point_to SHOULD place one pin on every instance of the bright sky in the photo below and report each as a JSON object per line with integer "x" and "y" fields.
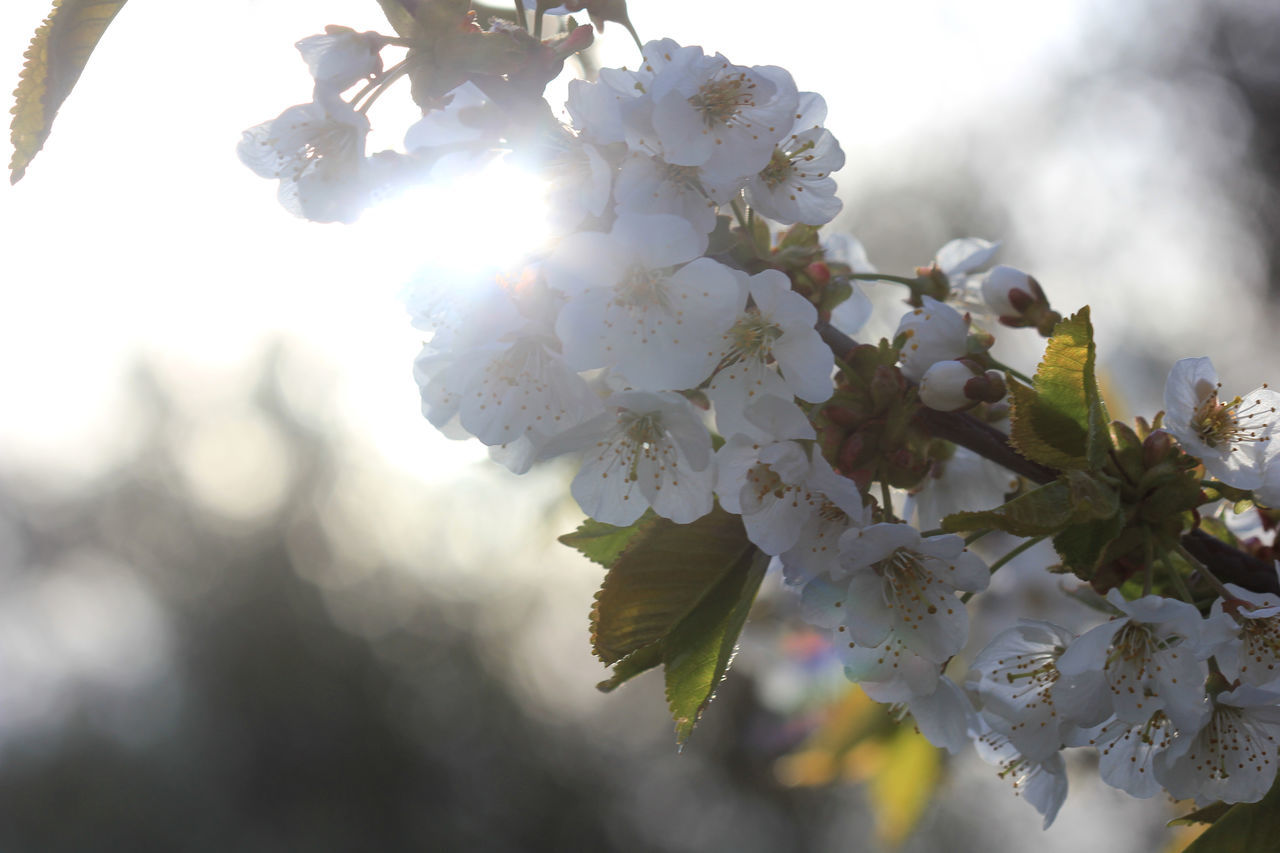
{"x": 136, "y": 230}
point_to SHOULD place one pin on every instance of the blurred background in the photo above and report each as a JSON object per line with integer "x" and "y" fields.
{"x": 250, "y": 600}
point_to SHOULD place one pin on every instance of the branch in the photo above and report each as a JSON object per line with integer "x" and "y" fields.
{"x": 1228, "y": 564}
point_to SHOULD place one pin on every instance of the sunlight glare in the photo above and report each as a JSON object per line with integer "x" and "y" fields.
{"x": 483, "y": 220}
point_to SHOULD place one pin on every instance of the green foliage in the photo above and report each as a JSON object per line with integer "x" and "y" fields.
{"x": 697, "y": 652}
{"x": 58, "y": 52}
{"x": 604, "y": 543}
{"x": 1208, "y": 814}
{"x": 1038, "y": 512}
{"x": 1077, "y": 498}
{"x": 1082, "y": 546}
{"x": 1062, "y": 421}
{"x": 1244, "y": 828}
{"x": 676, "y": 595}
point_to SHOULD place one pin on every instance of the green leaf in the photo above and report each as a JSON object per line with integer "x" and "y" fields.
{"x": 1039, "y": 512}
{"x": 1062, "y": 422}
{"x": 1208, "y": 814}
{"x": 662, "y": 575}
{"x": 604, "y": 543}
{"x": 697, "y": 653}
{"x": 639, "y": 661}
{"x": 1082, "y": 545}
{"x": 1245, "y": 828}
{"x": 58, "y": 52}
{"x": 1090, "y": 497}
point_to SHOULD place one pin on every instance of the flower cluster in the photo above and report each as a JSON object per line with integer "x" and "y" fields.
{"x": 670, "y": 339}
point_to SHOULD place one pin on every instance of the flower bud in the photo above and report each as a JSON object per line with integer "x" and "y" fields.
{"x": 943, "y": 386}
{"x": 819, "y": 273}
{"x": 987, "y": 388}
{"x": 1005, "y": 289}
{"x": 1156, "y": 447}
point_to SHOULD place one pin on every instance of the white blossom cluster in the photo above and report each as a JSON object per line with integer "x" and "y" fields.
{"x": 678, "y": 381}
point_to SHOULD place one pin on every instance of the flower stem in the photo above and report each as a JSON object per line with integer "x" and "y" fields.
{"x": 1000, "y": 563}
{"x": 1204, "y": 571}
{"x": 1148, "y": 571}
{"x": 375, "y": 89}
{"x": 1178, "y": 582}
{"x": 1017, "y": 374}
{"x": 886, "y": 501}
{"x": 739, "y": 215}
{"x": 876, "y": 276}
{"x": 974, "y": 537}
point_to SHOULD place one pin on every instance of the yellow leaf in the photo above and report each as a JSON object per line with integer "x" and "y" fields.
{"x": 58, "y": 53}
{"x": 905, "y": 784}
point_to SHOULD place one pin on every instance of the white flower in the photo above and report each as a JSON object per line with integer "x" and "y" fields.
{"x": 316, "y": 150}
{"x": 942, "y": 386}
{"x": 965, "y": 481}
{"x": 903, "y": 582}
{"x": 964, "y": 256}
{"x": 1233, "y": 756}
{"x": 1151, "y": 657}
{"x": 1229, "y": 436}
{"x": 649, "y": 184}
{"x": 1127, "y": 752}
{"x": 1252, "y": 653}
{"x": 1019, "y": 681}
{"x": 772, "y": 349}
{"x": 946, "y": 717}
{"x": 341, "y": 57}
{"x": 581, "y": 180}
{"x": 935, "y": 332}
{"x": 796, "y": 184}
{"x": 507, "y": 389}
{"x": 817, "y": 549}
{"x": 647, "y": 450}
{"x": 707, "y": 111}
{"x": 770, "y": 478}
{"x": 891, "y": 672}
{"x": 636, "y": 306}
{"x": 1042, "y": 783}
{"x": 888, "y": 672}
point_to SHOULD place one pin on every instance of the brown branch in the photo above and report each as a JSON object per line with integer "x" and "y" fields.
{"x": 1228, "y": 564}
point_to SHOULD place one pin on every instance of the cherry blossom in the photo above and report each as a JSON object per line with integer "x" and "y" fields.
{"x": 1229, "y": 436}
{"x": 775, "y": 478}
{"x": 642, "y": 301}
{"x": 708, "y": 111}
{"x": 796, "y": 184}
{"x": 316, "y": 151}
{"x": 1127, "y": 752}
{"x": 1232, "y": 755}
{"x": 771, "y": 349}
{"x": 1019, "y": 681}
{"x": 646, "y": 450}
{"x": 964, "y": 480}
{"x": 1152, "y": 657}
{"x": 901, "y": 581}
{"x": 341, "y": 57}
{"x": 935, "y": 332}
{"x": 1042, "y": 783}
{"x": 1251, "y": 653}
